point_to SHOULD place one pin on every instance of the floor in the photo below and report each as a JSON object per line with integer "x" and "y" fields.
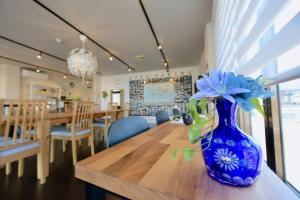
{"x": 61, "y": 183}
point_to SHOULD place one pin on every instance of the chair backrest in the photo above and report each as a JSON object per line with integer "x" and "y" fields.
{"x": 162, "y": 117}
{"x": 175, "y": 112}
{"x": 82, "y": 116}
{"x": 126, "y": 128}
{"x": 112, "y": 106}
{"x": 111, "y": 114}
{"x": 21, "y": 118}
{"x": 68, "y": 106}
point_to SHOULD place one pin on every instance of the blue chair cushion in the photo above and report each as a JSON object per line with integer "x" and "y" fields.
{"x": 67, "y": 132}
{"x": 99, "y": 124}
{"x": 162, "y": 117}
{"x": 126, "y": 128}
{"x": 18, "y": 149}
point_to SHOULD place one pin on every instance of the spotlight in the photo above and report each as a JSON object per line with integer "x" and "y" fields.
{"x": 39, "y": 56}
{"x": 111, "y": 58}
{"x": 159, "y": 47}
{"x": 129, "y": 69}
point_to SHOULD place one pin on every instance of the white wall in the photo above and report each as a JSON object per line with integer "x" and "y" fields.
{"x": 209, "y": 46}
{"x": 9, "y": 81}
{"x": 203, "y": 66}
{"x": 2, "y": 82}
{"x": 117, "y": 82}
{"x": 80, "y": 90}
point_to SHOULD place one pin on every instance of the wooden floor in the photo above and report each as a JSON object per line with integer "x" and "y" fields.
{"x": 61, "y": 183}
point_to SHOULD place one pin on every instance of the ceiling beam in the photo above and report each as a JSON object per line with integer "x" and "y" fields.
{"x": 40, "y": 67}
{"x": 81, "y": 32}
{"x": 32, "y": 48}
{"x": 154, "y": 34}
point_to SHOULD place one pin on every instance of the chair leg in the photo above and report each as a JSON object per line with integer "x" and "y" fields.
{"x": 89, "y": 142}
{"x": 7, "y": 168}
{"x": 40, "y": 168}
{"x": 64, "y": 145}
{"x": 91, "y": 139}
{"x": 52, "y": 150}
{"x": 20, "y": 167}
{"x": 74, "y": 151}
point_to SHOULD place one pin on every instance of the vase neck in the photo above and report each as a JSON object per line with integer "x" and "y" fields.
{"x": 227, "y": 112}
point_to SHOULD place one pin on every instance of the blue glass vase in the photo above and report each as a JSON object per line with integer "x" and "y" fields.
{"x": 232, "y": 157}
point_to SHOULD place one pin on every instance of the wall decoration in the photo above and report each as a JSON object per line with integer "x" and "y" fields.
{"x": 159, "y": 92}
{"x": 142, "y": 104}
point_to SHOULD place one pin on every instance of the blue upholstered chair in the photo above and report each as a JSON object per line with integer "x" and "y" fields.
{"x": 175, "y": 112}
{"x": 81, "y": 127}
{"x": 126, "y": 128}
{"x": 162, "y": 117}
{"x": 19, "y": 121}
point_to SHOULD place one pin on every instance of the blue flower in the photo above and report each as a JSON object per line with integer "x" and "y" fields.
{"x": 254, "y": 85}
{"x": 215, "y": 85}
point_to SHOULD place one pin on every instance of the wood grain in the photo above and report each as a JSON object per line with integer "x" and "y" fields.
{"x": 142, "y": 168}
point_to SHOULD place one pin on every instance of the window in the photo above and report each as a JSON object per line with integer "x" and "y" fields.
{"x": 289, "y": 93}
{"x": 116, "y": 97}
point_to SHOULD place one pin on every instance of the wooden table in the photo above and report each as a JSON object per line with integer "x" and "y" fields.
{"x": 66, "y": 117}
{"x": 142, "y": 168}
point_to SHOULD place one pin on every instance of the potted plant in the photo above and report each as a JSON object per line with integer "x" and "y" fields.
{"x": 104, "y": 94}
{"x": 231, "y": 156}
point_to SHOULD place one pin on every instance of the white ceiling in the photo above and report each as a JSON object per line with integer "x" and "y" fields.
{"x": 120, "y": 26}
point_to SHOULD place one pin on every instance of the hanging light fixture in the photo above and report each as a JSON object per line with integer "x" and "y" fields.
{"x": 81, "y": 62}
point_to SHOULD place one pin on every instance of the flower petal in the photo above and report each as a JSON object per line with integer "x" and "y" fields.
{"x": 228, "y": 97}
{"x": 208, "y": 81}
{"x": 197, "y": 96}
{"x": 212, "y": 94}
{"x": 237, "y": 91}
{"x": 214, "y": 79}
{"x": 202, "y": 84}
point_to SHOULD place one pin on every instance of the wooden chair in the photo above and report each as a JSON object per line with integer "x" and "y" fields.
{"x": 19, "y": 118}
{"x": 81, "y": 127}
{"x": 103, "y": 125}
{"x": 112, "y": 106}
{"x": 68, "y": 106}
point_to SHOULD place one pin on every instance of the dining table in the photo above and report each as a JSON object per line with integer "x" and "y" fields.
{"x": 66, "y": 117}
{"x": 143, "y": 167}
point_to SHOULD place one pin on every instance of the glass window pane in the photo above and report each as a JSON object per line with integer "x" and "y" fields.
{"x": 290, "y": 119}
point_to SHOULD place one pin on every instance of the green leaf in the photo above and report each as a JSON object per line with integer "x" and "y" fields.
{"x": 258, "y": 106}
{"x": 192, "y": 108}
{"x": 203, "y": 104}
{"x": 194, "y": 133}
{"x": 174, "y": 153}
{"x": 188, "y": 153}
{"x": 195, "y": 129}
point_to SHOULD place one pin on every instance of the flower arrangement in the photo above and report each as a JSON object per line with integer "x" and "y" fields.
{"x": 244, "y": 91}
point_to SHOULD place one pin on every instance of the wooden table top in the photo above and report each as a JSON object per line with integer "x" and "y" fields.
{"x": 143, "y": 168}
{"x": 66, "y": 117}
